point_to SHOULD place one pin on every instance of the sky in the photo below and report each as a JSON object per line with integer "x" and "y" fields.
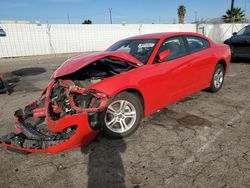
{"x": 126, "y": 11}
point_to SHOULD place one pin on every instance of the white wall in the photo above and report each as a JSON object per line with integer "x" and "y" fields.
{"x": 220, "y": 32}
{"x": 31, "y": 39}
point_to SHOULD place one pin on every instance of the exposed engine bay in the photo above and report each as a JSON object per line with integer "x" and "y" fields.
{"x": 98, "y": 71}
{"x": 67, "y": 113}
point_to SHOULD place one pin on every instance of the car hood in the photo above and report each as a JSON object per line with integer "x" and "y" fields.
{"x": 75, "y": 63}
{"x": 236, "y": 38}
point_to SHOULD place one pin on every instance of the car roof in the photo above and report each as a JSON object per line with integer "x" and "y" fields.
{"x": 163, "y": 35}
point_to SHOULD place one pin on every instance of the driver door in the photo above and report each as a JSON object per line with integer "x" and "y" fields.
{"x": 174, "y": 75}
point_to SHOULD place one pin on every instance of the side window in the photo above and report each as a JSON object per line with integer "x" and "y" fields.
{"x": 196, "y": 43}
{"x": 176, "y": 46}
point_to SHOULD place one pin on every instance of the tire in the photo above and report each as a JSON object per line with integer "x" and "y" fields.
{"x": 217, "y": 79}
{"x": 122, "y": 116}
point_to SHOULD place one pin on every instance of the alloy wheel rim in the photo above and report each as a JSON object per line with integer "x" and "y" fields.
{"x": 120, "y": 116}
{"x": 218, "y": 78}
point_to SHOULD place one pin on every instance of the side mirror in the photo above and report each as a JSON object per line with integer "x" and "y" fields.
{"x": 234, "y": 33}
{"x": 163, "y": 55}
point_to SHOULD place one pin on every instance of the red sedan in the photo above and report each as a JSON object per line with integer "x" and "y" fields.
{"x": 112, "y": 91}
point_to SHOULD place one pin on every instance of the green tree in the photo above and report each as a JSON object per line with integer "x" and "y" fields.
{"x": 237, "y": 15}
{"x": 181, "y": 13}
{"x": 87, "y": 22}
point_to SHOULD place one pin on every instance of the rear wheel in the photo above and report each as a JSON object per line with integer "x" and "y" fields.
{"x": 122, "y": 116}
{"x": 218, "y": 79}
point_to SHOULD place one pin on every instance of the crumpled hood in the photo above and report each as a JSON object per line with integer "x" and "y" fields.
{"x": 75, "y": 63}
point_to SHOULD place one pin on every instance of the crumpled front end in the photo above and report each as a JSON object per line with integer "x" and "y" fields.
{"x": 64, "y": 117}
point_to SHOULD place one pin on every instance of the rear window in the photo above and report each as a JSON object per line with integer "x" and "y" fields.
{"x": 197, "y": 43}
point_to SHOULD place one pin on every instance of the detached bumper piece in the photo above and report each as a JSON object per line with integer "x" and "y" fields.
{"x": 32, "y": 138}
{"x": 4, "y": 86}
{"x": 64, "y": 117}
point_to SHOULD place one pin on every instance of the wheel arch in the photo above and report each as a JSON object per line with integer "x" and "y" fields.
{"x": 138, "y": 93}
{"x": 223, "y": 63}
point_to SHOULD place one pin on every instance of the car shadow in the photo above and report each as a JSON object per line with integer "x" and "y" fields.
{"x": 105, "y": 166}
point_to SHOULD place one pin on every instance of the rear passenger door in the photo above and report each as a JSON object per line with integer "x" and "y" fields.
{"x": 201, "y": 61}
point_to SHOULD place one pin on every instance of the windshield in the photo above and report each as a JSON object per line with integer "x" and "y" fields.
{"x": 141, "y": 49}
{"x": 244, "y": 31}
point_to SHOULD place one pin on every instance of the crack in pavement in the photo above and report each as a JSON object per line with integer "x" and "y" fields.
{"x": 209, "y": 142}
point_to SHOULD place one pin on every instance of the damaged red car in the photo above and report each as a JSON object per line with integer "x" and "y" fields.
{"x": 112, "y": 91}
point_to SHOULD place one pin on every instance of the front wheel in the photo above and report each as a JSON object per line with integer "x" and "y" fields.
{"x": 218, "y": 79}
{"x": 122, "y": 116}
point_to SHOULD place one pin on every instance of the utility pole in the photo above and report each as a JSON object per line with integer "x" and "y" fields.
{"x": 245, "y": 6}
{"x": 232, "y": 6}
{"x": 110, "y": 15}
{"x": 196, "y": 22}
{"x": 174, "y": 22}
{"x": 68, "y": 19}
